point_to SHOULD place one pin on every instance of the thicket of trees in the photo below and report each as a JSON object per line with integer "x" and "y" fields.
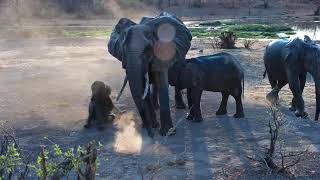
{"x": 84, "y": 7}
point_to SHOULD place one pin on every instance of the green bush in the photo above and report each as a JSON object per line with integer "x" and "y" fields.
{"x": 51, "y": 163}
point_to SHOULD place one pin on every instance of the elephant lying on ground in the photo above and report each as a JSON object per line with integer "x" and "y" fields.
{"x": 146, "y": 51}
{"x": 217, "y": 73}
{"x": 288, "y": 62}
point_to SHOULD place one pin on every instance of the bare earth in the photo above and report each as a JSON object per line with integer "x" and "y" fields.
{"x": 45, "y": 90}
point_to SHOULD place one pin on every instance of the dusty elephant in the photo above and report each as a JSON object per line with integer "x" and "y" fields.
{"x": 288, "y": 62}
{"x": 146, "y": 51}
{"x": 101, "y": 106}
{"x": 220, "y": 72}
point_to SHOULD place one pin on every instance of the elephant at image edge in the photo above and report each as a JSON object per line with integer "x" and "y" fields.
{"x": 138, "y": 47}
{"x": 288, "y": 62}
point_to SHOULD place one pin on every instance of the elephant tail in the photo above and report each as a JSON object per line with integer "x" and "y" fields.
{"x": 264, "y": 73}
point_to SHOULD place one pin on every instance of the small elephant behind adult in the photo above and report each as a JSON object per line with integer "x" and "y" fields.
{"x": 217, "y": 73}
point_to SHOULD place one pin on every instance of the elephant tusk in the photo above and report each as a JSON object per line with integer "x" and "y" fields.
{"x": 122, "y": 88}
{"x": 146, "y": 89}
{"x": 151, "y": 89}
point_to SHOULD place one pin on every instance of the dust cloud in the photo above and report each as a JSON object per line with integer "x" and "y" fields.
{"x": 131, "y": 138}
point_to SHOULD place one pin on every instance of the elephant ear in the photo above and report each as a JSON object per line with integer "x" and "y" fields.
{"x": 292, "y": 50}
{"x": 117, "y": 38}
{"x": 308, "y": 40}
{"x": 169, "y": 31}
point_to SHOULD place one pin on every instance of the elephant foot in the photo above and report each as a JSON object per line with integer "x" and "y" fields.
{"x": 239, "y": 115}
{"x": 221, "y": 112}
{"x": 301, "y": 114}
{"x": 189, "y": 117}
{"x": 273, "y": 97}
{"x": 167, "y": 131}
{"x": 197, "y": 119}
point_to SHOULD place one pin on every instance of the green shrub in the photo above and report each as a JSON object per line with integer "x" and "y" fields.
{"x": 52, "y": 162}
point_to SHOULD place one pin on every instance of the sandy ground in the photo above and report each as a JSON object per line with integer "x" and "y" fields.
{"x": 45, "y": 90}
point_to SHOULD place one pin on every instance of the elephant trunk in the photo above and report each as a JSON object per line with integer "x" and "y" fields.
{"x": 138, "y": 79}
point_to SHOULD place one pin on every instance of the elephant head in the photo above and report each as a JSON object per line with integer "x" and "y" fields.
{"x": 150, "y": 46}
{"x": 305, "y": 54}
{"x": 185, "y": 75}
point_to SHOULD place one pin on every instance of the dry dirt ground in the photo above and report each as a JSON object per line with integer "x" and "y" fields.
{"x": 45, "y": 91}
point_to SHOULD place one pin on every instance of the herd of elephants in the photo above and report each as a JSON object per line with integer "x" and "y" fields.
{"x": 153, "y": 54}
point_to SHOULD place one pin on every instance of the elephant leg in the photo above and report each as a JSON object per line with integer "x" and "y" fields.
{"x": 196, "y": 98}
{"x": 178, "y": 99}
{"x": 272, "y": 80}
{"x": 239, "y": 108}
{"x": 145, "y": 116}
{"x": 155, "y": 95}
{"x": 190, "y": 115}
{"x": 272, "y": 96}
{"x": 189, "y": 98}
{"x": 152, "y": 113}
{"x": 281, "y": 83}
{"x": 277, "y": 89}
{"x": 165, "y": 115}
{"x": 223, "y": 105}
{"x": 295, "y": 88}
{"x": 302, "y": 79}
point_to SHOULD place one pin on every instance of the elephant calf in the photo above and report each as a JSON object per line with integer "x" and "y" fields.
{"x": 101, "y": 106}
{"x": 217, "y": 73}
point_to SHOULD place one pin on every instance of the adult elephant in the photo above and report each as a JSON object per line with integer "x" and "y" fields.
{"x": 146, "y": 51}
{"x": 288, "y": 62}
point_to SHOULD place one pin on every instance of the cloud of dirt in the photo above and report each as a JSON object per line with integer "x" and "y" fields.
{"x": 16, "y": 10}
{"x": 131, "y": 138}
{"x": 51, "y": 18}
